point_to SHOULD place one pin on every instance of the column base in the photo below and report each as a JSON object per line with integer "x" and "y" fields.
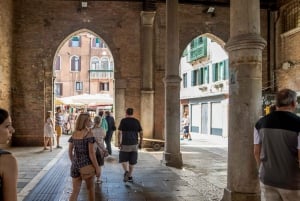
{"x": 173, "y": 160}
{"x": 237, "y": 196}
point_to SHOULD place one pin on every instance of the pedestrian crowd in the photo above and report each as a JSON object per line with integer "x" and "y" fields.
{"x": 276, "y": 149}
{"x": 87, "y": 149}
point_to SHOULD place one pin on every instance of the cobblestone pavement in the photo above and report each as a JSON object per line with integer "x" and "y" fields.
{"x": 44, "y": 175}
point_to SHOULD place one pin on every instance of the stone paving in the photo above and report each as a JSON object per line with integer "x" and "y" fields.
{"x": 202, "y": 178}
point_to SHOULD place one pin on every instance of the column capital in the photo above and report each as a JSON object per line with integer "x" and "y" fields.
{"x": 147, "y": 18}
{"x": 245, "y": 41}
{"x": 172, "y": 79}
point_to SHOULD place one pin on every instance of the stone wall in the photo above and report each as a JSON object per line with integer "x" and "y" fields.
{"x": 6, "y": 21}
{"x": 42, "y": 26}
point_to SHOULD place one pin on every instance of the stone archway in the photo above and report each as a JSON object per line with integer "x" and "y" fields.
{"x": 94, "y": 76}
{"x": 204, "y": 88}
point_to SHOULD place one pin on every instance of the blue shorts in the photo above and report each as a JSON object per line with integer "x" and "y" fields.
{"x": 186, "y": 130}
{"x": 130, "y": 157}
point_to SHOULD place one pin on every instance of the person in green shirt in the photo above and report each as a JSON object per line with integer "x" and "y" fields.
{"x": 104, "y": 124}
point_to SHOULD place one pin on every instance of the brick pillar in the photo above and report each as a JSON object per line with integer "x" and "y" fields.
{"x": 245, "y": 83}
{"x": 172, "y": 154}
{"x": 147, "y": 93}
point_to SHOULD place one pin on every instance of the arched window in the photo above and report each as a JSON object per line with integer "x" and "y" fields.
{"x": 95, "y": 67}
{"x": 105, "y": 67}
{"x": 75, "y": 63}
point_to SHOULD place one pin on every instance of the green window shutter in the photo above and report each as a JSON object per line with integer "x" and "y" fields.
{"x": 198, "y": 49}
{"x": 214, "y": 72}
{"x": 75, "y": 38}
{"x": 206, "y": 75}
{"x": 192, "y": 79}
{"x": 200, "y": 76}
{"x": 221, "y": 71}
{"x": 226, "y": 69}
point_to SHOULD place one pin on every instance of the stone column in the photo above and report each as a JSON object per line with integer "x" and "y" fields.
{"x": 172, "y": 154}
{"x": 147, "y": 93}
{"x": 245, "y": 83}
{"x": 119, "y": 110}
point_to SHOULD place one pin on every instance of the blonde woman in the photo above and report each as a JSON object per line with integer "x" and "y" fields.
{"x": 8, "y": 163}
{"x": 82, "y": 154}
{"x": 100, "y": 149}
{"x": 48, "y": 131}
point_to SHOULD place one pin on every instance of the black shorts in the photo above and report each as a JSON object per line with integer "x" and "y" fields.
{"x": 130, "y": 157}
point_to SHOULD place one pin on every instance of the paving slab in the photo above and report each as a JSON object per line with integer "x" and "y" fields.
{"x": 44, "y": 175}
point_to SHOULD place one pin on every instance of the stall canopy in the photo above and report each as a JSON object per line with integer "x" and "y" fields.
{"x": 86, "y": 99}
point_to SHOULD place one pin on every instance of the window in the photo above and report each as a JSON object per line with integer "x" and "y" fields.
{"x": 195, "y": 77}
{"x": 200, "y": 76}
{"x": 105, "y": 68}
{"x": 198, "y": 49}
{"x": 220, "y": 71}
{"x": 203, "y": 75}
{"x": 75, "y": 41}
{"x": 96, "y": 43}
{"x": 78, "y": 86}
{"x": 75, "y": 63}
{"x": 104, "y": 86}
{"x": 185, "y": 80}
{"x": 58, "y": 89}
{"x": 95, "y": 68}
{"x": 57, "y": 63}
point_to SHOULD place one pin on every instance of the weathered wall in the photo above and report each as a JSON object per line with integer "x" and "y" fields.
{"x": 287, "y": 55}
{"x": 41, "y": 27}
{"x": 6, "y": 22}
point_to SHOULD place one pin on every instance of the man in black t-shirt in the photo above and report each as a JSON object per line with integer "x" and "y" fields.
{"x": 277, "y": 150}
{"x": 130, "y": 138}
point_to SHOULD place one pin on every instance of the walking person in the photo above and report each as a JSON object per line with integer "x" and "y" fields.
{"x": 186, "y": 127}
{"x": 111, "y": 127}
{"x": 83, "y": 158}
{"x": 48, "y": 131}
{"x": 100, "y": 149}
{"x": 130, "y": 138}
{"x": 277, "y": 150}
{"x": 104, "y": 124}
{"x": 8, "y": 163}
{"x": 59, "y": 122}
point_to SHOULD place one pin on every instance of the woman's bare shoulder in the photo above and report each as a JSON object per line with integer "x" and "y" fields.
{"x": 8, "y": 160}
